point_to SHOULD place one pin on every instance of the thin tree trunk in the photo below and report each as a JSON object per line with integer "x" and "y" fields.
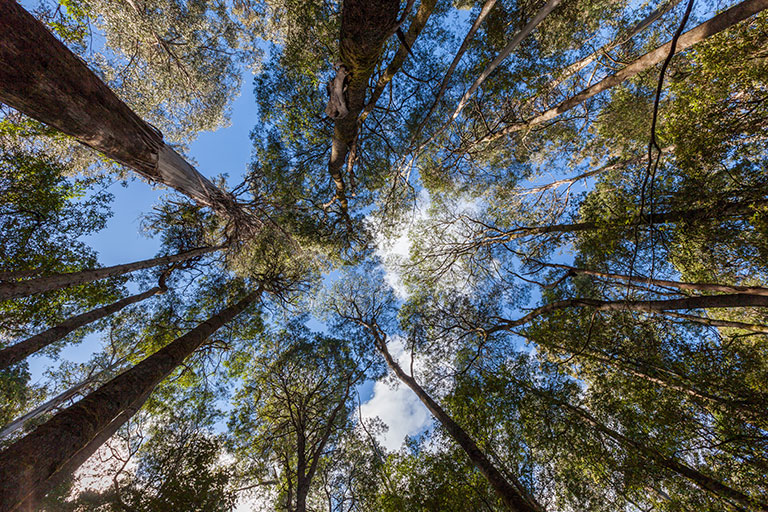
{"x": 734, "y": 300}
{"x": 621, "y": 39}
{"x": 21, "y": 350}
{"x": 709, "y": 28}
{"x": 12, "y": 290}
{"x": 78, "y": 459}
{"x": 703, "y": 481}
{"x": 514, "y": 43}
{"x": 365, "y": 27}
{"x": 484, "y": 12}
{"x": 700, "y": 287}
{"x": 718, "y": 210}
{"x": 513, "y": 494}
{"x": 40, "y": 77}
{"x": 714, "y": 322}
{"x": 29, "y": 462}
{"x": 414, "y": 29}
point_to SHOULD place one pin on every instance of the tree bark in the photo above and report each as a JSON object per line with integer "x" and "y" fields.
{"x": 414, "y": 29}
{"x": 699, "y": 287}
{"x": 40, "y": 77}
{"x": 513, "y": 494}
{"x": 484, "y": 12}
{"x": 12, "y": 290}
{"x": 46, "y": 407}
{"x": 66, "y": 471}
{"x": 29, "y": 462}
{"x": 21, "y": 350}
{"x": 709, "y": 28}
{"x": 365, "y": 27}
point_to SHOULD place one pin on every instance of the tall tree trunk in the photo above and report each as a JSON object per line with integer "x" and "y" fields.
{"x": 365, "y": 27}
{"x": 709, "y": 28}
{"x": 66, "y": 471}
{"x": 426, "y": 7}
{"x": 699, "y": 287}
{"x": 733, "y": 300}
{"x": 717, "y": 210}
{"x": 40, "y": 77}
{"x": 46, "y": 407}
{"x": 12, "y": 290}
{"x": 29, "y": 462}
{"x": 513, "y": 494}
{"x": 701, "y": 480}
{"x": 19, "y": 351}
{"x": 484, "y": 12}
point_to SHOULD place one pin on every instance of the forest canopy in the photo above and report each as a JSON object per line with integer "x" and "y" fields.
{"x": 545, "y": 222}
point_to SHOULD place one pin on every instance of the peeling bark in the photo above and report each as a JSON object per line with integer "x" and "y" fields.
{"x": 43, "y": 79}
{"x": 26, "y": 465}
{"x": 365, "y": 27}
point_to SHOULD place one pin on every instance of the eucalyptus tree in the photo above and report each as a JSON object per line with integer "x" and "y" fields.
{"x": 292, "y": 411}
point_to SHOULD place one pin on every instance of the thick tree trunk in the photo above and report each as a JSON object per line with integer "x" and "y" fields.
{"x": 40, "y": 77}
{"x": 12, "y": 290}
{"x": 365, "y": 27}
{"x": 709, "y": 28}
{"x": 513, "y": 494}
{"x": 77, "y": 460}
{"x": 29, "y": 462}
{"x": 703, "y": 481}
{"x": 19, "y": 351}
{"x": 46, "y": 407}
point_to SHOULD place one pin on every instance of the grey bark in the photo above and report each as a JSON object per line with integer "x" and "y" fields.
{"x": 40, "y": 77}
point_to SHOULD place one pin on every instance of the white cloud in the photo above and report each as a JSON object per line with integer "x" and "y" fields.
{"x": 396, "y": 405}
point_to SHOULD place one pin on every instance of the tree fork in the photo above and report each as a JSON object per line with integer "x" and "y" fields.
{"x": 12, "y": 290}
{"x": 26, "y": 465}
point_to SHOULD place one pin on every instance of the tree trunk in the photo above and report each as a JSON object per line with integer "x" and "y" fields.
{"x": 718, "y": 210}
{"x": 40, "y": 77}
{"x": 484, "y": 12}
{"x": 77, "y": 460}
{"x": 19, "y": 351}
{"x": 513, "y": 494}
{"x": 700, "y": 287}
{"x": 703, "y": 481}
{"x": 709, "y": 28}
{"x": 46, "y": 407}
{"x": 734, "y": 300}
{"x": 12, "y": 290}
{"x": 365, "y": 27}
{"x": 414, "y": 29}
{"x": 29, "y": 462}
